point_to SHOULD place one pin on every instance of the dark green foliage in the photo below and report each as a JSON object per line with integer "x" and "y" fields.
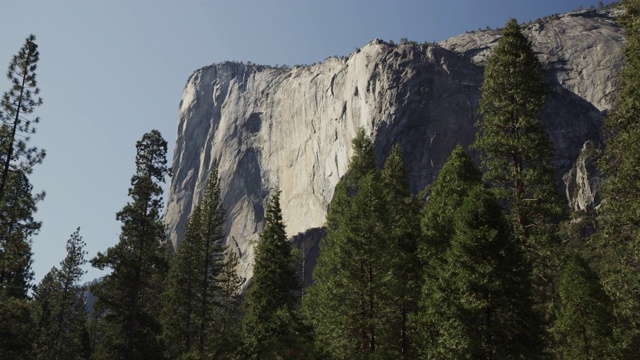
{"x": 201, "y": 290}
{"x": 271, "y": 328}
{"x": 17, "y": 104}
{"x": 357, "y": 305}
{"x": 516, "y": 154}
{"x": 515, "y": 149}
{"x": 457, "y": 176}
{"x": 17, "y": 229}
{"x": 16, "y": 328}
{"x": 478, "y": 305}
{"x": 619, "y": 238}
{"x": 180, "y": 297}
{"x": 211, "y": 256}
{"x": 226, "y": 335}
{"x": 59, "y": 308}
{"x": 346, "y": 305}
{"x": 17, "y": 203}
{"x": 403, "y": 287}
{"x": 583, "y": 327}
{"x": 128, "y": 298}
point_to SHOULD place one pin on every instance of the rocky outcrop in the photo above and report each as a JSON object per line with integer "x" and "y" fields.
{"x": 583, "y": 181}
{"x": 291, "y": 128}
{"x": 581, "y": 51}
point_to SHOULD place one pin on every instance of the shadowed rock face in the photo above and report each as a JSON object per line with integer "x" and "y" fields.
{"x": 292, "y": 128}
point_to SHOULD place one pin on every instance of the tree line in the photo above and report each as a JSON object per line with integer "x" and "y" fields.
{"x": 486, "y": 262}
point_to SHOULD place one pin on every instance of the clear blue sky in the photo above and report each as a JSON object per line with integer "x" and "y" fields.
{"x": 112, "y": 70}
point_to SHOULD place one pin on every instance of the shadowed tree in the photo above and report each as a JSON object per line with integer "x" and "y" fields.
{"x": 515, "y": 149}
{"x": 516, "y": 154}
{"x": 196, "y": 290}
{"x": 129, "y": 297}
{"x": 60, "y": 309}
{"x": 271, "y": 328}
{"x": 583, "y": 327}
{"x": 458, "y": 176}
{"x": 405, "y": 278}
{"x": 17, "y": 228}
{"x": 349, "y": 304}
{"x": 478, "y": 305}
{"x": 618, "y": 238}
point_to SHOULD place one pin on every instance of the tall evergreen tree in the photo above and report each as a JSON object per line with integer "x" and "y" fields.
{"x": 178, "y": 312}
{"x": 458, "y": 176}
{"x": 583, "y": 327}
{"x": 17, "y": 104}
{"x": 212, "y": 256}
{"x": 194, "y": 293}
{"x": 514, "y": 147}
{"x": 516, "y": 154}
{"x": 270, "y": 325}
{"x": 128, "y": 298}
{"x": 17, "y": 202}
{"x": 348, "y": 305}
{"x": 405, "y": 278}
{"x": 227, "y": 332}
{"x": 60, "y": 309}
{"x": 17, "y": 227}
{"x": 619, "y": 238}
{"x": 479, "y": 305}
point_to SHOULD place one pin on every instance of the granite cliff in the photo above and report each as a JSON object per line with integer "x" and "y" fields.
{"x": 291, "y": 128}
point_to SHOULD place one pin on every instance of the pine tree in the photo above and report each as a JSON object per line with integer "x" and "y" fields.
{"x": 227, "y": 332}
{"x": 17, "y": 103}
{"x": 405, "y": 279}
{"x": 17, "y": 202}
{"x": 479, "y": 305}
{"x": 619, "y": 238}
{"x": 516, "y": 154}
{"x": 178, "y": 318}
{"x": 194, "y": 293}
{"x": 60, "y": 310}
{"x": 212, "y": 255}
{"x": 270, "y": 325}
{"x": 583, "y": 327}
{"x": 348, "y": 305}
{"x": 43, "y": 314}
{"x": 17, "y": 227}
{"x": 458, "y": 176}
{"x": 514, "y": 147}
{"x": 128, "y": 298}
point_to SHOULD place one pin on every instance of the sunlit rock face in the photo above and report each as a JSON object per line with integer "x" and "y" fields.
{"x": 291, "y": 128}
